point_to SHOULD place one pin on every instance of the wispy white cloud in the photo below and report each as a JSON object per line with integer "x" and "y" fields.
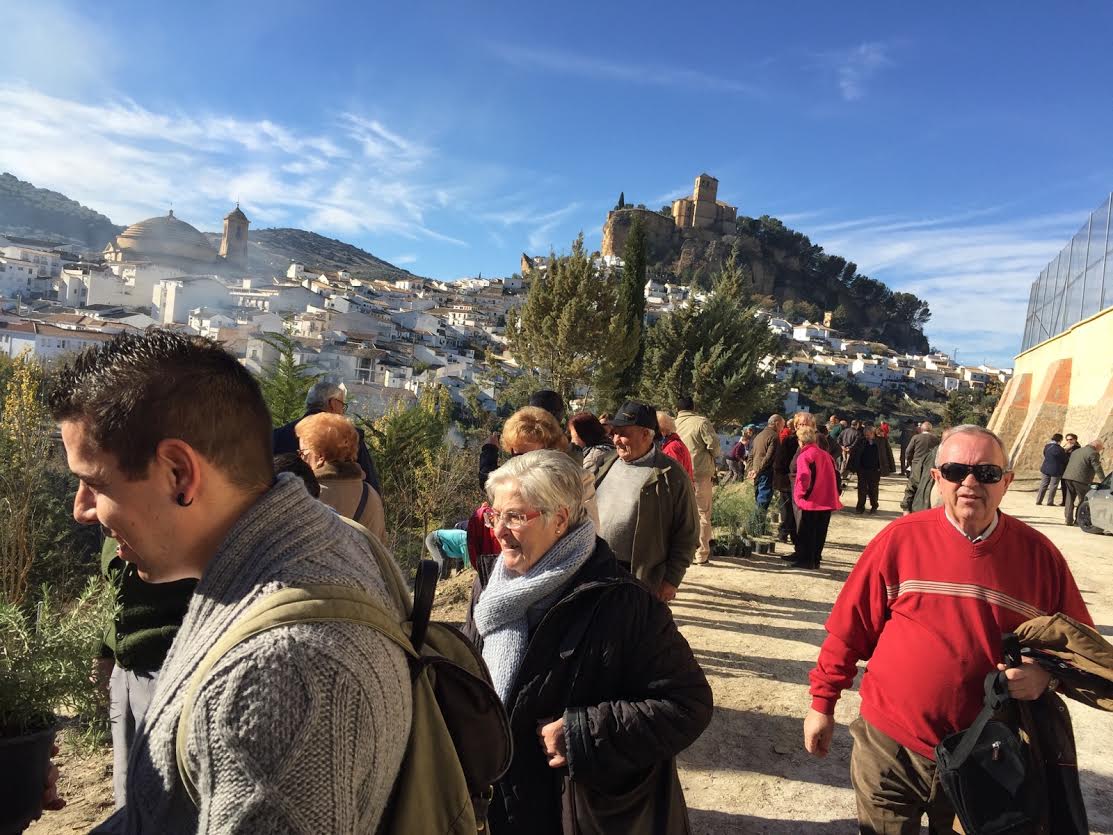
{"x": 660, "y": 75}
{"x": 540, "y": 224}
{"x": 57, "y": 45}
{"x": 669, "y": 196}
{"x": 976, "y": 276}
{"x": 403, "y": 260}
{"x": 797, "y": 217}
{"x": 856, "y": 66}
{"x": 131, "y": 162}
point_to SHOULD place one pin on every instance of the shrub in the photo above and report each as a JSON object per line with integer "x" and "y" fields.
{"x": 46, "y": 651}
{"x": 25, "y": 446}
{"x": 426, "y": 482}
{"x": 735, "y": 508}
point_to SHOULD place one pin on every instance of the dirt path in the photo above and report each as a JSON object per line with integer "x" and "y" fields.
{"x": 756, "y": 627}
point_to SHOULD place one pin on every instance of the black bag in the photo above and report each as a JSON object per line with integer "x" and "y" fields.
{"x": 985, "y": 769}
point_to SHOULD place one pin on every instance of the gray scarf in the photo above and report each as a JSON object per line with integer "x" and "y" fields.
{"x": 502, "y": 612}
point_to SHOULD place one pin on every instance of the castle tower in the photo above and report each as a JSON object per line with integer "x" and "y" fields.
{"x": 704, "y": 209}
{"x": 706, "y": 190}
{"x": 233, "y": 246}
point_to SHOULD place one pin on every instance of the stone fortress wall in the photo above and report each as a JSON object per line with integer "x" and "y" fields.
{"x": 1063, "y": 384}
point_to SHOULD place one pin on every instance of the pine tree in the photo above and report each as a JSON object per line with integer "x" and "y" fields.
{"x": 711, "y": 352}
{"x": 618, "y": 374}
{"x": 561, "y": 330}
{"x": 621, "y": 204}
{"x": 286, "y": 383}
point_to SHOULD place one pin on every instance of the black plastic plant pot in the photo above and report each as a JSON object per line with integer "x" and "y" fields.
{"x": 24, "y": 762}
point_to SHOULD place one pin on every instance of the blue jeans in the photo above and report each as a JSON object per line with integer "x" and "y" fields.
{"x": 764, "y": 487}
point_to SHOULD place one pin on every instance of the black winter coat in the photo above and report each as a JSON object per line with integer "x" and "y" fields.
{"x": 609, "y": 659}
{"x": 1054, "y": 459}
{"x": 782, "y": 462}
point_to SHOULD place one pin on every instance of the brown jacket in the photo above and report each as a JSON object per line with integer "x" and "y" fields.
{"x": 342, "y": 489}
{"x": 1085, "y": 674}
{"x": 762, "y": 450}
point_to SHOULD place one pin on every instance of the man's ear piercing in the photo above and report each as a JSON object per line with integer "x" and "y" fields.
{"x": 182, "y": 500}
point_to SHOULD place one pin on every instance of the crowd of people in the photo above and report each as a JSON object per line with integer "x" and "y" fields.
{"x": 589, "y": 528}
{"x": 1072, "y": 468}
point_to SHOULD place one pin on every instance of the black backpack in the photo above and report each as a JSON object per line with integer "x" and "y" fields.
{"x": 986, "y": 770}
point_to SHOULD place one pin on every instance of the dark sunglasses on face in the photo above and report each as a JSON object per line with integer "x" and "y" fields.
{"x": 983, "y": 473}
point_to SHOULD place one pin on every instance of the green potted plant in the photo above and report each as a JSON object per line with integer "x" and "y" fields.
{"x": 46, "y": 650}
{"x": 733, "y": 509}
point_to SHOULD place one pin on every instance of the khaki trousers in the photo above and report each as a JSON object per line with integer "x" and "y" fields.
{"x": 895, "y": 787}
{"x": 704, "y": 489}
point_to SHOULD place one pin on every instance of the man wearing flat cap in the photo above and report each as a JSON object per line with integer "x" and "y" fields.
{"x": 647, "y": 510}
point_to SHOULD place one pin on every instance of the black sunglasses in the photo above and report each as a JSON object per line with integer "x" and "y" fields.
{"x": 984, "y": 473}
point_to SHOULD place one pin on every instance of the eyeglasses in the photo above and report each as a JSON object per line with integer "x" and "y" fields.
{"x": 512, "y": 519}
{"x": 983, "y": 473}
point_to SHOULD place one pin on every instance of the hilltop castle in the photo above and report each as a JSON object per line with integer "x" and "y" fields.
{"x": 702, "y": 210}
{"x": 700, "y": 216}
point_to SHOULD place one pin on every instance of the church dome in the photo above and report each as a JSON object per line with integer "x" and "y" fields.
{"x": 161, "y": 239}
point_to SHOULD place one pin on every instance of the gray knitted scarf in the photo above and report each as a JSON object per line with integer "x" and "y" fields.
{"x": 501, "y": 615}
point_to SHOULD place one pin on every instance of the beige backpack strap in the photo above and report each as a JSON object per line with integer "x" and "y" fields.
{"x": 308, "y": 604}
{"x": 395, "y": 583}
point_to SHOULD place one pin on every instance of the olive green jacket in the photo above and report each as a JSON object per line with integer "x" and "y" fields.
{"x": 666, "y": 533}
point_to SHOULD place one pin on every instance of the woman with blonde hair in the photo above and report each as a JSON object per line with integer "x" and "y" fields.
{"x": 532, "y": 428}
{"x": 329, "y": 444}
{"x": 815, "y": 494}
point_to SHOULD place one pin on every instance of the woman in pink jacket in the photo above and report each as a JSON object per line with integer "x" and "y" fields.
{"x": 816, "y": 494}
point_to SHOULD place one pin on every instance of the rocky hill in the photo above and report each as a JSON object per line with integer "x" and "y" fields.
{"x": 789, "y": 274}
{"x": 32, "y": 212}
{"x": 272, "y": 250}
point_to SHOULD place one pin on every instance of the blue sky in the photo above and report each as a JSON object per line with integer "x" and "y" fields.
{"x": 950, "y": 150}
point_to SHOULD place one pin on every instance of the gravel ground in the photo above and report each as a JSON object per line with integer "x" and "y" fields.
{"x": 756, "y": 627}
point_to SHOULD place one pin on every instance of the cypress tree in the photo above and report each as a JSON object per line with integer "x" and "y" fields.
{"x": 286, "y": 383}
{"x": 618, "y": 375}
{"x": 711, "y": 352}
{"x": 562, "y": 329}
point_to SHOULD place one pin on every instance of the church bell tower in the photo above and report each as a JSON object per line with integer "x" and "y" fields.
{"x": 233, "y": 246}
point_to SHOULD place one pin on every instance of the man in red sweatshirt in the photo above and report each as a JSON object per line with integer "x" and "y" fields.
{"x": 927, "y": 604}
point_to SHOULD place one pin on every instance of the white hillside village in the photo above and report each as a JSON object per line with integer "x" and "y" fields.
{"x": 386, "y": 340}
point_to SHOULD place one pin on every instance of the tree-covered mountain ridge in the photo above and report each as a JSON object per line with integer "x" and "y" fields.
{"x": 786, "y": 273}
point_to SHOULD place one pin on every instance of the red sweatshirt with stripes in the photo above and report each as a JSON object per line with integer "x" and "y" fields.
{"x": 927, "y": 607}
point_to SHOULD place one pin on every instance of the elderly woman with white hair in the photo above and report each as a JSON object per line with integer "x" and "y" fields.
{"x": 602, "y": 690}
